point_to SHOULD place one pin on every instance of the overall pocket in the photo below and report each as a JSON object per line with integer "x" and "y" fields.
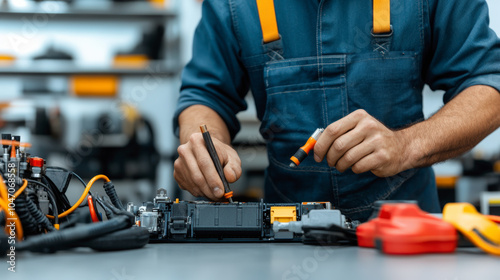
{"x": 388, "y": 87}
{"x": 298, "y": 94}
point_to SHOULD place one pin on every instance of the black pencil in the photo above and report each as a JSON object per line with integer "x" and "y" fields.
{"x": 215, "y": 158}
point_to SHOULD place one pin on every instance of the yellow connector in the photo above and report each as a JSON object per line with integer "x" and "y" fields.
{"x": 283, "y": 214}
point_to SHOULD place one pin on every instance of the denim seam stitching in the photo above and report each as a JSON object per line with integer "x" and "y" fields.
{"x": 299, "y": 169}
{"x": 329, "y": 57}
{"x": 305, "y": 65}
{"x": 292, "y": 91}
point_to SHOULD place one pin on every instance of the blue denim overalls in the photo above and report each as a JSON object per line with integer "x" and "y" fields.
{"x": 308, "y": 92}
{"x": 326, "y": 65}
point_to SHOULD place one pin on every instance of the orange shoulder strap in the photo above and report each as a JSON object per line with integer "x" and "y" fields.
{"x": 267, "y": 16}
{"x": 268, "y": 23}
{"x": 381, "y": 16}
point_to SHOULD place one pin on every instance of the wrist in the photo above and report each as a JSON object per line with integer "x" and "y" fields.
{"x": 412, "y": 149}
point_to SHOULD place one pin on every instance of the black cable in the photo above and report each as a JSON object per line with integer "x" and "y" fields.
{"x": 72, "y": 173}
{"x": 79, "y": 179}
{"x": 107, "y": 210}
{"x": 39, "y": 216}
{"x": 332, "y": 234}
{"x": 29, "y": 223}
{"x": 117, "y": 211}
{"x": 2, "y": 218}
{"x": 109, "y": 188}
{"x": 67, "y": 238}
{"x": 53, "y": 200}
{"x": 63, "y": 202}
{"x": 74, "y": 219}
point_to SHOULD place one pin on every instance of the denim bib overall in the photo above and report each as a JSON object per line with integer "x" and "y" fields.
{"x": 305, "y": 93}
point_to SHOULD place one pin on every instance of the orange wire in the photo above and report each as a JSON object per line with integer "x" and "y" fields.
{"x": 15, "y": 143}
{"x": 13, "y": 151}
{"x": 82, "y": 198}
{"x": 21, "y": 189}
{"x": 10, "y": 214}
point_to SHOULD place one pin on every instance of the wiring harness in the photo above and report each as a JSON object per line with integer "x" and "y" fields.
{"x": 37, "y": 216}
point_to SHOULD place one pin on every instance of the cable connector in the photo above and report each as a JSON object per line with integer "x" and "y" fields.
{"x": 109, "y": 188}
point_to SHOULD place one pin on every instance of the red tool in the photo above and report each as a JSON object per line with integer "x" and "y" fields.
{"x": 405, "y": 229}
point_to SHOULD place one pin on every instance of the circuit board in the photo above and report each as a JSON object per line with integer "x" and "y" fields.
{"x": 201, "y": 221}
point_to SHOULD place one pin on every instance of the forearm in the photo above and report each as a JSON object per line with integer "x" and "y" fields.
{"x": 456, "y": 128}
{"x": 192, "y": 117}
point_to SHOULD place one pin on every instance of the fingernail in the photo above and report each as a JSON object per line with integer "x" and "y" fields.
{"x": 217, "y": 192}
{"x": 316, "y": 158}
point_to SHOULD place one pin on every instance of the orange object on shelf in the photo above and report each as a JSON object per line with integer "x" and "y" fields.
{"x": 94, "y": 85}
{"x": 6, "y": 59}
{"x": 496, "y": 167}
{"x": 4, "y": 105}
{"x": 446, "y": 182}
{"x": 130, "y": 60}
{"x": 158, "y": 3}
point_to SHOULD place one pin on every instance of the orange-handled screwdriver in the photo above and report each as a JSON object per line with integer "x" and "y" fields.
{"x": 303, "y": 151}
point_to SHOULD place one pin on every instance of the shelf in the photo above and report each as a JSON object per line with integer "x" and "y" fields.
{"x": 61, "y": 68}
{"x": 113, "y": 11}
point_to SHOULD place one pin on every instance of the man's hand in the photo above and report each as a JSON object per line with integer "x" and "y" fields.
{"x": 362, "y": 143}
{"x": 195, "y": 171}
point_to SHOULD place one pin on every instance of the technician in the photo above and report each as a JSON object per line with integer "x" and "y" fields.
{"x": 358, "y": 69}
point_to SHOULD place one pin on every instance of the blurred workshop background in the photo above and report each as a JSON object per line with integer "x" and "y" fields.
{"x": 92, "y": 85}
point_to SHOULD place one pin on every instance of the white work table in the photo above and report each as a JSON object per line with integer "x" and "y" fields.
{"x": 252, "y": 261}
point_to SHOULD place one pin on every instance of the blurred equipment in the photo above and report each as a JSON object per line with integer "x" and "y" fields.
{"x": 94, "y": 85}
{"x": 479, "y": 229}
{"x": 149, "y": 48}
{"x": 479, "y": 175}
{"x": 404, "y": 229}
{"x": 112, "y": 138}
{"x": 490, "y": 203}
{"x": 45, "y": 85}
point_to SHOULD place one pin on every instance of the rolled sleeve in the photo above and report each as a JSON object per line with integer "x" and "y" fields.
{"x": 466, "y": 52}
{"x": 215, "y": 76}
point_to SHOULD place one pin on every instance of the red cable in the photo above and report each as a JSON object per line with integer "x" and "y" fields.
{"x": 93, "y": 214}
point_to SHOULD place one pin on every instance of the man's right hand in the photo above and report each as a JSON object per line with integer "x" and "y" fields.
{"x": 195, "y": 171}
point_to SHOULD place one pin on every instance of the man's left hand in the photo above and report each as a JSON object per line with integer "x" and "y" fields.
{"x": 362, "y": 143}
